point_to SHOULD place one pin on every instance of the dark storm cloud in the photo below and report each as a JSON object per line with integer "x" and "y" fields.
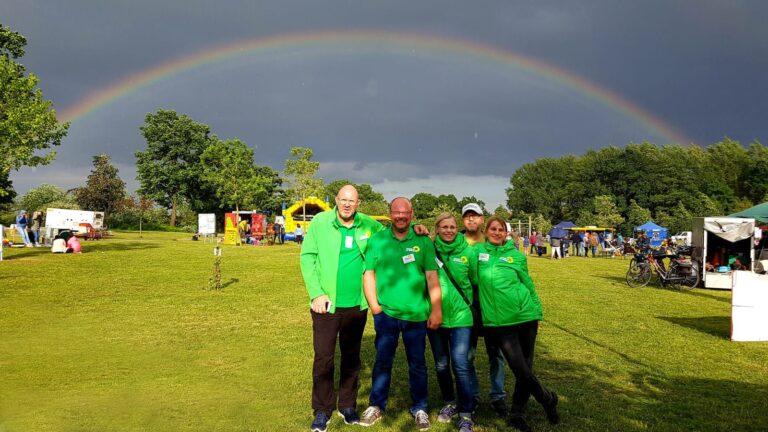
{"x": 698, "y": 65}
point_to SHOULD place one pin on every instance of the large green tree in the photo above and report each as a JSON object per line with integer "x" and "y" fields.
{"x": 755, "y": 179}
{"x": 636, "y": 216}
{"x": 606, "y": 213}
{"x": 28, "y": 125}
{"x": 424, "y": 205}
{"x": 47, "y": 196}
{"x": 301, "y": 171}
{"x": 169, "y": 170}
{"x": 228, "y": 165}
{"x": 271, "y": 196}
{"x": 104, "y": 189}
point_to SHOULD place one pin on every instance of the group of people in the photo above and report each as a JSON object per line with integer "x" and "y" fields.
{"x": 577, "y": 243}
{"x": 26, "y": 226}
{"x": 450, "y": 291}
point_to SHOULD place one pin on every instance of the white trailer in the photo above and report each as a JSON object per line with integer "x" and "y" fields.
{"x": 716, "y": 241}
{"x": 59, "y": 219}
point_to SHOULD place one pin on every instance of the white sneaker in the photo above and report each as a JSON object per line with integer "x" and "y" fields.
{"x": 371, "y": 415}
{"x": 422, "y": 420}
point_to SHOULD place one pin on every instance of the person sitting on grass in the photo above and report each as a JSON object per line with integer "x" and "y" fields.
{"x": 73, "y": 245}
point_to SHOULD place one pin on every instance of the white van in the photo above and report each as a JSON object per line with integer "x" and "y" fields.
{"x": 682, "y": 238}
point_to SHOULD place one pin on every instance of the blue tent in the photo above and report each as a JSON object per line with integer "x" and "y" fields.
{"x": 565, "y": 225}
{"x": 654, "y": 232}
{"x": 559, "y": 230}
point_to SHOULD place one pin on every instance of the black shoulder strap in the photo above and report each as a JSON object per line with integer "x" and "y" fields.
{"x": 453, "y": 281}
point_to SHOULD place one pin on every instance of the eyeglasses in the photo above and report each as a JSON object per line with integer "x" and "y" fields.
{"x": 400, "y": 213}
{"x": 472, "y": 216}
{"x": 347, "y": 201}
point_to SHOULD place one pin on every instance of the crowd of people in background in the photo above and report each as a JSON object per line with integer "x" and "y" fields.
{"x": 579, "y": 243}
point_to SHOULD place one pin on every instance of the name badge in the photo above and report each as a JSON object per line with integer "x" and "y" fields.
{"x": 408, "y": 259}
{"x": 483, "y": 257}
{"x": 439, "y": 263}
{"x": 348, "y": 242}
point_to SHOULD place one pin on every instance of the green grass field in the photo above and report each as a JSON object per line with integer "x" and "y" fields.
{"x": 126, "y": 336}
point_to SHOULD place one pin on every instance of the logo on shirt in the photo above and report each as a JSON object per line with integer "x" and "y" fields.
{"x": 415, "y": 249}
{"x": 461, "y": 259}
{"x": 507, "y": 259}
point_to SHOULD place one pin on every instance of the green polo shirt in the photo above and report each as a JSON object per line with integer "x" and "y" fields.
{"x": 349, "y": 278}
{"x": 401, "y": 285}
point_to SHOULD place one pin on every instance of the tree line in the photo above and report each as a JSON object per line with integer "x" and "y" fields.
{"x": 625, "y": 187}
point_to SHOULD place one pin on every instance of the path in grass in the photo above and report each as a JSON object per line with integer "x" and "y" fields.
{"x": 126, "y": 337}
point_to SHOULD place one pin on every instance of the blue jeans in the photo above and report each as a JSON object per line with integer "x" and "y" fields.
{"x": 388, "y": 331}
{"x": 450, "y": 347}
{"x": 496, "y": 364}
{"x": 24, "y": 236}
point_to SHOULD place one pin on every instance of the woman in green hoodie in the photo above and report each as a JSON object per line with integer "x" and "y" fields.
{"x": 450, "y": 343}
{"x": 511, "y": 312}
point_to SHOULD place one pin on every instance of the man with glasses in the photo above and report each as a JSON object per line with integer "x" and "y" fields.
{"x": 474, "y": 220}
{"x": 398, "y": 266}
{"x": 332, "y": 266}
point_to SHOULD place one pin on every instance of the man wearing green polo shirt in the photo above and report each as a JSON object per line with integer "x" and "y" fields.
{"x": 332, "y": 266}
{"x": 403, "y": 292}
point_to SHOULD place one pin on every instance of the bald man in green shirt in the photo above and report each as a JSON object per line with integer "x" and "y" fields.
{"x": 403, "y": 293}
{"x": 332, "y": 266}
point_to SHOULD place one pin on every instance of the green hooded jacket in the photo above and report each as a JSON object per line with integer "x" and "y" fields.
{"x": 320, "y": 250}
{"x": 507, "y": 294}
{"x": 461, "y": 261}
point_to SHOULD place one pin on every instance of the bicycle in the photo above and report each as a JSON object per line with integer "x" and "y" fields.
{"x": 683, "y": 272}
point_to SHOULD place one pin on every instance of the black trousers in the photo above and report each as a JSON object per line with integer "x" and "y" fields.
{"x": 346, "y": 325}
{"x": 517, "y": 344}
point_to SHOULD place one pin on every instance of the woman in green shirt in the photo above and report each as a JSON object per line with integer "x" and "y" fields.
{"x": 511, "y": 312}
{"x": 450, "y": 343}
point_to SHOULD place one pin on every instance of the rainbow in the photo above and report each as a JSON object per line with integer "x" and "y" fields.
{"x": 410, "y": 44}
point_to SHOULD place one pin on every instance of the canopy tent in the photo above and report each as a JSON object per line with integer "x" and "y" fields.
{"x": 565, "y": 225}
{"x": 590, "y": 228}
{"x": 654, "y": 232}
{"x": 758, "y": 213}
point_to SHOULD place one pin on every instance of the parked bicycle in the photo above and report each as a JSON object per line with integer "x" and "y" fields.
{"x": 682, "y": 274}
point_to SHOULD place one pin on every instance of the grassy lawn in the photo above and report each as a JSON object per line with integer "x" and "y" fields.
{"x": 126, "y": 336}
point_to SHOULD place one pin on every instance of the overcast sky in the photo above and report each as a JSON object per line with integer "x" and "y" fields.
{"x": 380, "y": 104}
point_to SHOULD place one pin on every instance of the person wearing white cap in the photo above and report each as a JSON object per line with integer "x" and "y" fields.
{"x": 474, "y": 220}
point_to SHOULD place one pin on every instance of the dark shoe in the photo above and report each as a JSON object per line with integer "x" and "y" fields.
{"x": 446, "y": 413}
{"x": 518, "y": 423}
{"x": 466, "y": 424}
{"x": 321, "y": 422}
{"x": 349, "y": 415}
{"x": 500, "y": 407}
{"x": 551, "y": 409}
